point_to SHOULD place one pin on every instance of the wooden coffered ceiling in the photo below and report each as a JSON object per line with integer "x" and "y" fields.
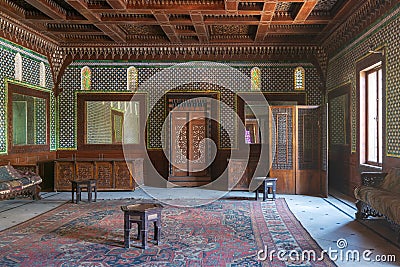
{"x": 181, "y": 22}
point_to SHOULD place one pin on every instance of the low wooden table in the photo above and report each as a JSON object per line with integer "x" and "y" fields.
{"x": 267, "y": 184}
{"x": 77, "y": 186}
{"x": 142, "y": 214}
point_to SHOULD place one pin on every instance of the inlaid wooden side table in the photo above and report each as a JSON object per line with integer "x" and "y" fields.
{"x": 142, "y": 214}
{"x": 90, "y": 185}
{"x": 267, "y": 183}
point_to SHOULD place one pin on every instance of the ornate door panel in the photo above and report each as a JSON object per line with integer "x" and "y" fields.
{"x": 179, "y": 141}
{"x": 308, "y": 151}
{"x": 189, "y": 154}
{"x": 283, "y": 165}
{"x": 197, "y": 150}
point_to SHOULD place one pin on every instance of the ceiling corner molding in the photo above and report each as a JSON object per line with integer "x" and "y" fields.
{"x": 16, "y": 32}
{"x": 369, "y": 12}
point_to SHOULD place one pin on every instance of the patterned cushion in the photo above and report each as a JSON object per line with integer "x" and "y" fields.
{"x": 12, "y": 180}
{"x": 8, "y": 173}
{"x": 4, "y": 189}
{"x": 384, "y": 201}
{"x": 392, "y": 181}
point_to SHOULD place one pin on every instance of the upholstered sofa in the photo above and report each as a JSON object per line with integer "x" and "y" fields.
{"x": 14, "y": 183}
{"x": 379, "y": 195}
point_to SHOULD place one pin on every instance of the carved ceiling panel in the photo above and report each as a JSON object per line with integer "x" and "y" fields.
{"x": 132, "y": 29}
{"x": 201, "y": 23}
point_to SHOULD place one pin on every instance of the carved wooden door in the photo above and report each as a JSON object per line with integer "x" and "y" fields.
{"x": 308, "y": 156}
{"x": 189, "y": 153}
{"x": 283, "y": 164}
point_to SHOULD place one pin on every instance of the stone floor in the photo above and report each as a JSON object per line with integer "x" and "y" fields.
{"x": 326, "y": 219}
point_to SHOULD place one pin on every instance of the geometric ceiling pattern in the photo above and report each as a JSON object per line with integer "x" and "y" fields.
{"x": 180, "y": 22}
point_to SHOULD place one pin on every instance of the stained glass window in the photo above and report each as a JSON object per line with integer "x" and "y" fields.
{"x": 18, "y": 67}
{"x": 42, "y": 75}
{"x": 86, "y": 78}
{"x": 132, "y": 79}
{"x": 299, "y": 78}
{"x": 255, "y": 79}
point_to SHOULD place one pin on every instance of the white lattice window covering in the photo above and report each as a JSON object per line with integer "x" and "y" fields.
{"x": 299, "y": 78}
{"x": 86, "y": 78}
{"x": 18, "y": 67}
{"x": 132, "y": 79}
{"x": 255, "y": 79}
{"x": 42, "y": 75}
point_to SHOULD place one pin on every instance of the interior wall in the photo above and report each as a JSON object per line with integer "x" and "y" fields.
{"x": 30, "y": 78}
{"x": 384, "y": 34}
{"x": 111, "y": 76}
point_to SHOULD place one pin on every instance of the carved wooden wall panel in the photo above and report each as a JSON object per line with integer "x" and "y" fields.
{"x": 64, "y": 172}
{"x": 110, "y": 174}
{"x": 137, "y": 172}
{"x": 104, "y": 174}
{"x": 123, "y": 178}
{"x": 84, "y": 170}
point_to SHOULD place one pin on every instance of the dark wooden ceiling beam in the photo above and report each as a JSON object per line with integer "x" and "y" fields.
{"x": 49, "y": 7}
{"x": 117, "y": 4}
{"x": 82, "y": 8}
{"x": 305, "y": 11}
{"x": 265, "y": 21}
{"x": 167, "y": 27}
{"x": 112, "y": 31}
{"x": 200, "y": 27}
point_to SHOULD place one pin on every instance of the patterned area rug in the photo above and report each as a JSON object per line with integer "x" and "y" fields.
{"x": 223, "y": 233}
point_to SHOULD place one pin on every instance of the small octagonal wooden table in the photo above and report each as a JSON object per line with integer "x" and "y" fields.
{"x": 77, "y": 186}
{"x": 267, "y": 183}
{"x": 142, "y": 214}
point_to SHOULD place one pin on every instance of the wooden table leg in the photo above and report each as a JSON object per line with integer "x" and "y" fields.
{"x": 273, "y": 190}
{"x": 127, "y": 230}
{"x": 73, "y": 191}
{"x": 265, "y": 194}
{"x": 143, "y": 233}
{"x": 157, "y": 231}
{"x": 89, "y": 190}
{"x": 78, "y": 194}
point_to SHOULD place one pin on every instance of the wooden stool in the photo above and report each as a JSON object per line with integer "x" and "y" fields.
{"x": 267, "y": 184}
{"x": 142, "y": 214}
{"x": 77, "y": 186}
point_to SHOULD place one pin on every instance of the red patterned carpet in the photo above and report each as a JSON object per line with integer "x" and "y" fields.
{"x": 223, "y": 233}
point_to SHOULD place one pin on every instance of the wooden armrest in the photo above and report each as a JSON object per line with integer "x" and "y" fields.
{"x": 372, "y": 178}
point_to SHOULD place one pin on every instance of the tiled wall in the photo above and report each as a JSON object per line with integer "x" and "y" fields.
{"x": 111, "y": 76}
{"x": 30, "y": 77}
{"x": 341, "y": 69}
